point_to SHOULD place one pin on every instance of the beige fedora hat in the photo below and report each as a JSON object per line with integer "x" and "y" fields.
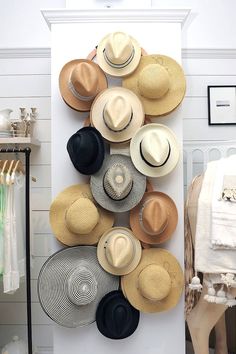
{"x": 159, "y": 82}
{"x": 156, "y": 284}
{"x": 80, "y": 80}
{"x": 118, "y": 54}
{"x": 119, "y": 251}
{"x": 155, "y": 218}
{"x": 117, "y": 113}
{"x": 75, "y": 218}
{"x": 154, "y": 150}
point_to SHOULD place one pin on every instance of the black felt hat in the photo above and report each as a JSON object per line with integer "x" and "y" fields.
{"x": 116, "y": 318}
{"x": 86, "y": 150}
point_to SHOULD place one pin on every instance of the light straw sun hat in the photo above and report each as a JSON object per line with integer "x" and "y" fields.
{"x": 159, "y": 82}
{"x": 80, "y": 81}
{"x": 157, "y": 282}
{"x": 119, "y": 251}
{"x": 75, "y": 218}
{"x": 71, "y": 284}
{"x": 155, "y": 218}
{"x": 117, "y": 113}
{"x": 154, "y": 150}
{"x": 118, "y": 54}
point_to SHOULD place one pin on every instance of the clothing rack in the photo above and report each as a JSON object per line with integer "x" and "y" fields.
{"x": 27, "y": 152}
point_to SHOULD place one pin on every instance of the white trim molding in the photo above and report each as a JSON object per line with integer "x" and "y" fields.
{"x": 61, "y": 16}
{"x": 12, "y": 53}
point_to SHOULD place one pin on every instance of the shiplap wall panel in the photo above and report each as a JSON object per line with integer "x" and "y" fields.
{"x": 25, "y": 86}
{"x": 197, "y": 85}
{"x": 25, "y": 66}
{"x": 209, "y": 67}
{"x": 42, "y": 155}
{"x": 42, "y": 173}
{"x": 40, "y": 221}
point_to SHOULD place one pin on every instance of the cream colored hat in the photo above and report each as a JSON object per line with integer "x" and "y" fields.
{"x": 118, "y": 251}
{"x": 117, "y": 113}
{"x": 157, "y": 282}
{"x": 118, "y": 54}
{"x": 75, "y": 218}
{"x": 154, "y": 150}
{"x": 159, "y": 82}
{"x": 80, "y": 81}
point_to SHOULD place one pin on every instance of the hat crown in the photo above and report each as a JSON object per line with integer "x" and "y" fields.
{"x": 154, "y": 217}
{"x": 154, "y": 283}
{"x": 81, "y": 286}
{"x": 118, "y": 181}
{"x": 118, "y": 48}
{"x": 82, "y": 216}
{"x": 153, "y": 81}
{"x": 84, "y": 79}
{"x": 119, "y": 250}
{"x": 117, "y": 112}
{"x": 155, "y": 148}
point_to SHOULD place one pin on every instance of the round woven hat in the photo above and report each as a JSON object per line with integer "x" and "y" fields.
{"x": 116, "y": 318}
{"x": 159, "y": 82}
{"x": 155, "y": 218}
{"x": 117, "y": 113}
{"x": 75, "y": 218}
{"x": 119, "y": 251}
{"x": 156, "y": 284}
{"x": 118, "y": 186}
{"x": 118, "y": 54}
{"x": 71, "y": 284}
{"x": 154, "y": 150}
{"x": 80, "y": 80}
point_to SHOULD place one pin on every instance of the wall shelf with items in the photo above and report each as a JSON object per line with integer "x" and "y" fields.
{"x": 19, "y": 141}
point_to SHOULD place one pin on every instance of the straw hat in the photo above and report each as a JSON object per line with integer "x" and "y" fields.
{"x": 159, "y": 82}
{"x": 155, "y": 218}
{"x": 116, "y": 318}
{"x": 154, "y": 150}
{"x": 80, "y": 81}
{"x": 118, "y": 186}
{"x": 71, "y": 284}
{"x": 117, "y": 113}
{"x": 156, "y": 284}
{"x": 75, "y": 218}
{"x": 119, "y": 252}
{"x": 86, "y": 150}
{"x": 118, "y": 54}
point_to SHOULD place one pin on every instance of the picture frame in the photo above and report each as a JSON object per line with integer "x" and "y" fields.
{"x": 221, "y": 105}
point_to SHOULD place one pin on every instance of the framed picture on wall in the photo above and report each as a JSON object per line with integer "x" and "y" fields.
{"x": 221, "y": 105}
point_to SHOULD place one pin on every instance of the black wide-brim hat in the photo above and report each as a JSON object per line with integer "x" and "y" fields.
{"x": 116, "y": 318}
{"x": 86, "y": 150}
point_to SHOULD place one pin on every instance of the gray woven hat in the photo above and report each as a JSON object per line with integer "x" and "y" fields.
{"x": 118, "y": 186}
{"x": 71, "y": 283}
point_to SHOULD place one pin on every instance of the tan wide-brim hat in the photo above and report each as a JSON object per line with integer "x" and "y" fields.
{"x": 94, "y": 76}
{"x": 97, "y": 114}
{"x": 88, "y": 214}
{"x": 172, "y": 218}
{"x": 161, "y": 87}
{"x": 137, "y": 158}
{"x": 119, "y": 251}
{"x": 158, "y": 274}
{"x": 114, "y": 70}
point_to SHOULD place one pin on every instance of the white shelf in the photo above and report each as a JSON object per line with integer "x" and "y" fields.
{"x": 20, "y": 140}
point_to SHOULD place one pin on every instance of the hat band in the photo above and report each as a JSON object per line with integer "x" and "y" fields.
{"x": 118, "y": 66}
{"x": 116, "y": 200}
{"x": 77, "y": 95}
{"x": 141, "y": 222}
{"x": 120, "y": 130}
{"x": 148, "y": 163}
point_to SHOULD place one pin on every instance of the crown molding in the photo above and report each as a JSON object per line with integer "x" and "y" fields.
{"x": 30, "y": 52}
{"x": 62, "y": 16}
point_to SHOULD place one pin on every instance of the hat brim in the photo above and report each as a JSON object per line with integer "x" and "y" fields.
{"x": 166, "y": 260}
{"x": 135, "y": 195}
{"x": 97, "y": 120}
{"x": 140, "y": 163}
{"x": 116, "y": 297}
{"x": 172, "y": 219}
{"x": 68, "y": 97}
{"x": 101, "y": 252}
{"x": 118, "y": 72}
{"x": 58, "y": 212}
{"x": 52, "y": 291}
{"x": 175, "y": 94}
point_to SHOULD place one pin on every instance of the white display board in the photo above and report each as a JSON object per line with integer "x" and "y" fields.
{"x": 74, "y": 35}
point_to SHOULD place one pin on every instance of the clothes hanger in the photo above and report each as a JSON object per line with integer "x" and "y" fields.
{"x": 8, "y": 175}
{"x": 2, "y": 171}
